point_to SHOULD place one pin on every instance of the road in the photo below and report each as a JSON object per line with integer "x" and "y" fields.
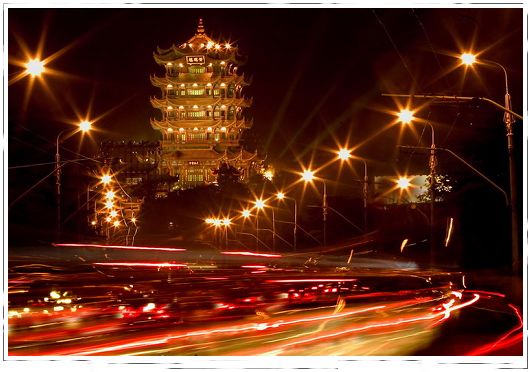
{"x": 95, "y": 300}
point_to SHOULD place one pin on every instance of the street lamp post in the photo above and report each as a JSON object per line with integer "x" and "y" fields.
{"x": 344, "y": 154}
{"x": 58, "y": 185}
{"x": 308, "y": 176}
{"x": 259, "y": 204}
{"x": 508, "y": 119}
{"x": 406, "y": 117}
{"x": 282, "y": 196}
{"x": 84, "y": 126}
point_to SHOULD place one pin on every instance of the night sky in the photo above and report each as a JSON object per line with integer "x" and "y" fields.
{"x": 318, "y": 75}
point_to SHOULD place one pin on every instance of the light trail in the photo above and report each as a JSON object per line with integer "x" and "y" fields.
{"x": 310, "y": 280}
{"x": 508, "y": 339}
{"x": 140, "y": 264}
{"x": 237, "y": 329}
{"x": 254, "y": 266}
{"x": 253, "y": 254}
{"x": 387, "y": 324}
{"x": 128, "y": 247}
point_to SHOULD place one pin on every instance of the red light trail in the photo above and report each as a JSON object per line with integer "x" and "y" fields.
{"x": 128, "y": 247}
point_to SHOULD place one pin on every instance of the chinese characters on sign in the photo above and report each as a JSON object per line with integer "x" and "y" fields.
{"x": 195, "y": 60}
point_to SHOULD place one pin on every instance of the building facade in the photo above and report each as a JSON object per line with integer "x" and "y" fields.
{"x": 202, "y": 110}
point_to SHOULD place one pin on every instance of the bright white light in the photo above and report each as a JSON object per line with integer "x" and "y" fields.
{"x": 405, "y": 116}
{"x": 259, "y": 203}
{"x": 109, "y": 195}
{"x": 35, "y": 67}
{"x": 468, "y": 59}
{"x": 55, "y": 295}
{"x": 246, "y": 213}
{"x": 307, "y": 175}
{"x": 403, "y": 183}
{"x": 85, "y": 126}
{"x": 105, "y": 179}
{"x": 343, "y": 154}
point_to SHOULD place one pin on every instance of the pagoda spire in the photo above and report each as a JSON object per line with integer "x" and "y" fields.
{"x": 200, "y": 28}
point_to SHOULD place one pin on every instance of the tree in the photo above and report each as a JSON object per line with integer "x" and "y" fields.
{"x": 229, "y": 180}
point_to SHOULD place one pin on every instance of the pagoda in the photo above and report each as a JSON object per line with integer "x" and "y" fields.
{"x": 202, "y": 110}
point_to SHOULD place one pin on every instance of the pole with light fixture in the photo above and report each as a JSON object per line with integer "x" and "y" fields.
{"x": 84, "y": 127}
{"x": 469, "y": 59}
{"x": 406, "y": 117}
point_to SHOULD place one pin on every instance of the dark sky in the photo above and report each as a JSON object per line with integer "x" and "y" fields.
{"x": 318, "y": 74}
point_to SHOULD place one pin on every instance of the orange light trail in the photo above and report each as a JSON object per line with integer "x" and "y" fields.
{"x": 140, "y": 264}
{"x": 243, "y": 328}
{"x": 119, "y": 247}
{"x": 253, "y": 254}
{"x": 254, "y": 266}
{"x": 444, "y": 313}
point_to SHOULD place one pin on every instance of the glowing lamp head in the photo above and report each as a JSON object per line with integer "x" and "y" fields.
{"x": 280, "y": 195}
{"x": 93, "y": 223}
{"x": 468, "y": 59}
{"x": 246, "y": 213}
{"x": 35, "y": 67}
{"x": 226, "y": 222}
{"x": 106, "y": 178}
{"x": 343, "y": 154}
{"x": 403, "y": 183}
{"x": 259, "y": 203}
{"x": 133, "y": 219}
{"x": 217, "y": 222}
{"x": 307, "y": 175}
{"x": 85, "y": 126}
{"x": 110, "y": 195}
{"x": 109, "y": 204}
{"x": 113, "y": 214}
{"x": 116, "y": 223}
{"x": 107, "y": 219}
{"x": 405, "y": 116}
{"x": 210, "y": 221}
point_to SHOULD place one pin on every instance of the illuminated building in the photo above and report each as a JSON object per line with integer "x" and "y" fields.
{"x": 202, "y": 111}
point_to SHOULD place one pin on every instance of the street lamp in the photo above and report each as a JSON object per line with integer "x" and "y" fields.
{"x": 106, "y": 179}
{"x": 308, "y": 176}
{"x": 35, "y": 67}
{"x": 406, "y": 117}
{"x": 259, "y": 204}
{"x": 225, "y": 222}
{"x": 344, "y": 154}
{"x": 282, "y": 196}
{"x": 403, "y": 183}
{"x": 469, "y": 59}
{"x": 83, "y": 126}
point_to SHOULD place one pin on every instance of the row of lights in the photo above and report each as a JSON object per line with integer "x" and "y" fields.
{"x": 195, "y": 107}
{"x": 109, "y": 203}
{"x": 195, "y": 85}
{"x": 209, "y": 45}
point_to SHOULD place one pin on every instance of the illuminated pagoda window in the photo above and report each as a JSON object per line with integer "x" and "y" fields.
{"x": 202, "y": 109}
